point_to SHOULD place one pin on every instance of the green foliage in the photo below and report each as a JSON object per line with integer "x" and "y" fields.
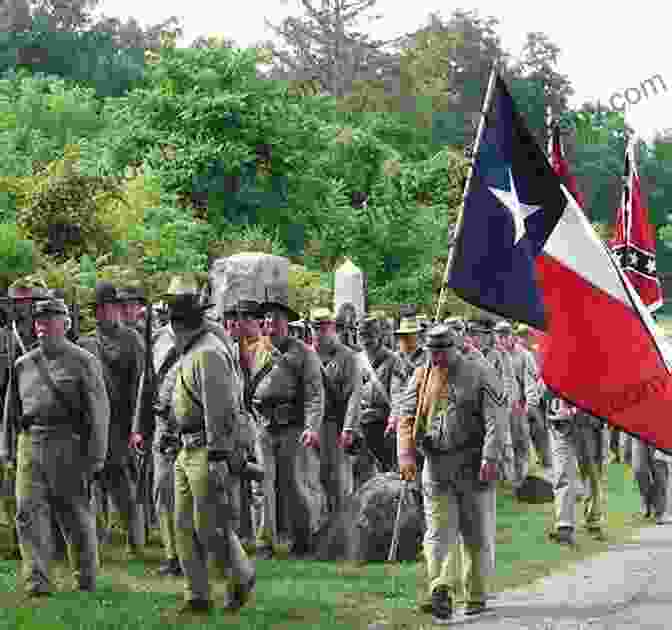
{"x": 17, "y": 255}
{"x": 87, "y": 57}
{"x": 39, "y": 116}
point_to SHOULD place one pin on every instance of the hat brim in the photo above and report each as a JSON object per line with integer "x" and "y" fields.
{"x": 292, "y": 315}
{"x": 413, "y": 331}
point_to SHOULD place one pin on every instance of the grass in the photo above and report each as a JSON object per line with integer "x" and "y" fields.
{"x": 304, "y": 594}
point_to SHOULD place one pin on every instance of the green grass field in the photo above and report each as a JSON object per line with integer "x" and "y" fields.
{"x": 302, "y": 594}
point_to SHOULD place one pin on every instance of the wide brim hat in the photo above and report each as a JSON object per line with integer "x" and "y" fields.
{"x": 408, "y": 326}
{"x": 184, "y": 295}
{"x": 131, "y": 294}
{"x": 50, "y": 307}
{"x": 503, "y": 327}
{"x": 482, "y": 325}
{"x": 440, "y": 337}
{"x": 244, "y": 307}
{"x": 27, "y": 293}
{"x": 105, "y": 293}
{"x": 322, "y": 315}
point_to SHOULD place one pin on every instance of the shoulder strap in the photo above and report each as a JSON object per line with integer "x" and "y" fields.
{"x": 65, "y": 402}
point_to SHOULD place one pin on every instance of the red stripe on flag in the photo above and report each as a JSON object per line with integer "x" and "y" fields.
{"x": 599, "y": 355}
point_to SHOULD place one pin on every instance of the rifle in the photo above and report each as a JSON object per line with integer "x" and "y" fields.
{"x": 74, "y": 332}
{"x": 146, "y": 418}
{"x": 11, "y": 418}
{"x": 392, "y": 555}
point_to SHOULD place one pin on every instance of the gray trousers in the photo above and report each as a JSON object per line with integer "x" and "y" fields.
{"x": 457, "y": 516}
{"x": 49, "y": 478}
{"x": 284, "y": 463}
{"x": 652, "y": 478}
{"x": 563, "y": 452}
{"x": 336, "y": 470}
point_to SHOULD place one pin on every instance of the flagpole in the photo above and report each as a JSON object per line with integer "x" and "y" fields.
{"x": 549, "y": 131}
{"x": 458, "y": 226}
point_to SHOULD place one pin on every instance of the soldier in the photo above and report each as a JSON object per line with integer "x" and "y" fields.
{"x": 650, "y": 469}
{"x": 343, "y": 388}
{"x": 58, "y": 404}
{"x": 527, "y": 393}
{"x": 455, "y": 410}
{"x": 22, "y": 340}
{"x": 165, "y": 445}
{"x": 346, "y": 326}
{"x": 412, "y": 357}
{"x": 121, "y": 351}
{"x": 380, "y": 364}
{"x": 288, "y": 397}
{"x": 206, "y": 404}
{"x": 576, "y": 443}
{"x": 524, "y": 399}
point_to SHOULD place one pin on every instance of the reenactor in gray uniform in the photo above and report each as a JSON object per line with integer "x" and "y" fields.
{"x": 206, "y": 405}
{"x": 57, "y": 404}
{"x": 165, "y": 444}
{"x": 121, "y": 351}
{"x": 346, "y": 326}
{"x": 650, "y": 469}
{"x": 455, "y": 410}
{"x": 524, "y": 400}
{"x": 412, "y": 357}
{"x": 576, "y": 440}
{"x": 288, "y": 397}
{"x": 380, "y": 365}
{"x": 19, "y": 337}
{"x": 343, "y": 388}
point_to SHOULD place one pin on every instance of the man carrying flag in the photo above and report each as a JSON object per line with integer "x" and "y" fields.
{"x": 525, "y": 250}
{"x": 577, "y": 438}
{"x": 634, "y": 247}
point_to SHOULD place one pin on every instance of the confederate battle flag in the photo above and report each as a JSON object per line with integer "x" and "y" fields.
{"x": 634, "y": 245}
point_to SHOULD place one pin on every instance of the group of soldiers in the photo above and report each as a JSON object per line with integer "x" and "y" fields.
{"x": 243, "y": 406}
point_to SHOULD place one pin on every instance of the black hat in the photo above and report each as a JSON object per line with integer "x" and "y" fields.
{"x": 50, "y": 306}
{"x": 131, "y": 294}
{"x": 27, "y": 293}
{"x": 106, "y": 293}
{"x": 482, "y": 325}
{"x": 440, "y": 337}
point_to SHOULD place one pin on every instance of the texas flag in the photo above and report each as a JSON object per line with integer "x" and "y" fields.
{"x": 525, "y": 250}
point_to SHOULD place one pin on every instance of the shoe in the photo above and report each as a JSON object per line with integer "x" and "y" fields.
{"x": 170, "y": 567}
{"x": 564, "y": 536}
{"x": 663, "y": 519}
{"x": 442, "y": 606}
{"x": 239, "y": 594}
{"x": 194, "y": 606}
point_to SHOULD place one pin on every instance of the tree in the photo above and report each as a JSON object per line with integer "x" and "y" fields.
{"x": 321, "y": 48}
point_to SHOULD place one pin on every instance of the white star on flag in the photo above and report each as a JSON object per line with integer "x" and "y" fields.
{"x": 633, "y": 258}
{"x": 651, "y": 265}
{"x": 519, "y": 210}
